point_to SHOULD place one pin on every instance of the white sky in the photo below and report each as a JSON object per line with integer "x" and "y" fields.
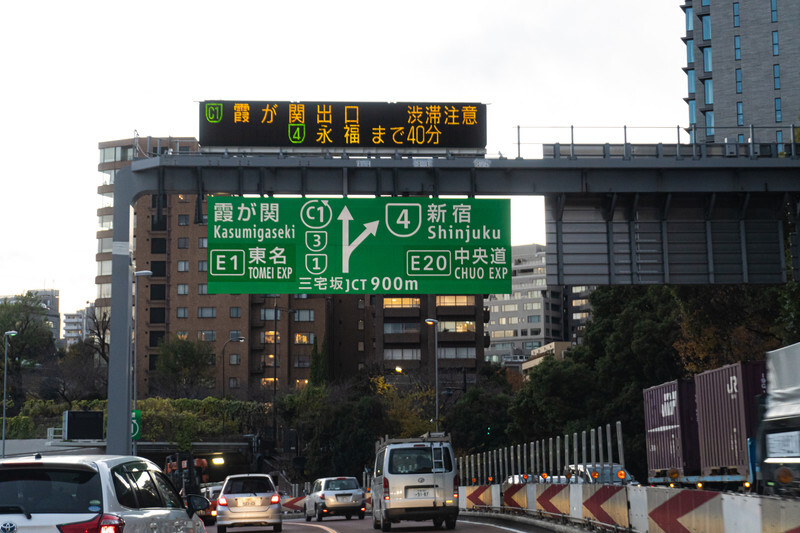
{"x": 74, "y": 74}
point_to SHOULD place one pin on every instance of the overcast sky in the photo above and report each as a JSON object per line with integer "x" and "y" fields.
{"x": 75, "y": 74}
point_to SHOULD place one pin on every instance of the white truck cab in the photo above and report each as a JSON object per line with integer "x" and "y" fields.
{"x": 415, "y": 479}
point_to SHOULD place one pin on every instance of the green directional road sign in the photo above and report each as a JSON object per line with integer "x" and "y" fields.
{"x": 358, "y": 245}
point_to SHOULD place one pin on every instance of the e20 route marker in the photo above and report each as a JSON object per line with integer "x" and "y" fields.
{"x": 357, "y": 245}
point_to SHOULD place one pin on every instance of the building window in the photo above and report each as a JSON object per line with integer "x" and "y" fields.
{"x": 774, "y": 10}
{"x": 739, "y": 114}
{"x": 736, "y": 14}
{"x": 775, "y": 43}
{"x": 708, "y": 87}
{"x": 235, "y": 359}
{"x": 400, "y": 302}
{"x": 300, "y": 384}
{"x": 183, "y": 288}
{"x": 233, "y": 383}
{"x": 738, "y": 81}
{"x": 457, "y": 352}
{"x": 268, "y": 313}
{"x": 235, "y": 334}
{"x": 706, "y": 22}
{"x": 236, "y": 312}
{"x": 457, "y": 326}
{"x": 690, "y": 51}
{"x": 709, "y": 123}
{"x": 390, "y": 328}
{"x": 692, "y": 112}
{"x": 705, "y": 3}
{"x": 401, "y": 354}
{"x": 690, "y": 75}
{"x": 202, "y": 242}
{"x": 183, "y": 243}
{"x": 206, "y": 312}
{"x": 304, "y": 338}
{"x": 202, "y": 288}
{"x": 183, "y": 220}
{"x": 778, "y": 117}
{"x": 360, "y": 347}
{"x": 737, "y": 47}
{"x": 776, "y": 76}
{"x": 707, "y": 67}
{"x": 207, "y": 335}
{"x": 534, "y": 319}
{"x": 272, "y": 337}
{"x": 182, "y": 335}
{"x": 183, "y": 312}
{"x": 202, "y": 266}
{"x": 779, "y": 140}
{"x": 304, "y": 315}
{"x": 459, "y": 301}
{"x": 183, "y": 266}
{"x": 689, "y": 19}
{"x": 740, "y": 138}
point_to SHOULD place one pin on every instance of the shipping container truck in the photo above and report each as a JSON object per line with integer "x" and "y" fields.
{"x": 779, "y": 433}
{"x": 705, "y": 438}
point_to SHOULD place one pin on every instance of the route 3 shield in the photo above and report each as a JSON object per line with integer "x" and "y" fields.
{"x": 316, "y": 241}
{"x": 403, "y": 220}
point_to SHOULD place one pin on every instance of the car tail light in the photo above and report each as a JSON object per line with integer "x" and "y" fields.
{"x": 276, "y": 498}
{"x": 107, "y": 523}
{"x": 385, "y": 489}
{"x": 222, "y": 501}
{"x": 455, "y": 486}
{"x": 321, "y": 495}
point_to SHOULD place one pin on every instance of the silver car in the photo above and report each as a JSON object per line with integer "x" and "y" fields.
{"x": 248, "y": 500}
{"x": 335, "y": 496}
{"x": 92, "y": 494}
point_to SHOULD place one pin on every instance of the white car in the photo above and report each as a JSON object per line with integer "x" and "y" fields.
{"x": 335, "y": 496}
{"x": 92, "y": 494}
{"x": 248, "y": 500}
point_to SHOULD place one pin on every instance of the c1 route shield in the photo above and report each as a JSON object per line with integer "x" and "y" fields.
{"x": 359, "y": 245}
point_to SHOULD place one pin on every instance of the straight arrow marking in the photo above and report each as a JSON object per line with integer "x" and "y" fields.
{"x": 370, "y": 228}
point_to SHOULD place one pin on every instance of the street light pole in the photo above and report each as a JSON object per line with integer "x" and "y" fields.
{"x": 6, "y": 335}
{"x": 275, "y": 310}
{"x": 234, "y": 339}
{"x": 435, "y": 323}
{"x": 136, "y": 276}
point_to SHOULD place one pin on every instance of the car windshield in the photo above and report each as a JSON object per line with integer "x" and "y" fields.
{"x": 410, "y": 461}
{"x": 341, "y": 484}
{"x": 252, "y": 485}
{"x": 49, "y": 490}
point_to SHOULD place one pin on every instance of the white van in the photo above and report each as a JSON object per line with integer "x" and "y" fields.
{"x": 415, "y": 479}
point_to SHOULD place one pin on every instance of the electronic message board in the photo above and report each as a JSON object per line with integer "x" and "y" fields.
{"x": 358, "y": 245}
{"x": 341, "y": 125}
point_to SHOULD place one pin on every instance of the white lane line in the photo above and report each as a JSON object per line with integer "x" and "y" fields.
{"x": 329, "y": 530}
{"x": 492, "y": 525}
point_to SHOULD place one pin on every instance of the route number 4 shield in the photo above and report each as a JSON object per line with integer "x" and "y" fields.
{"x": 403, "y": 220}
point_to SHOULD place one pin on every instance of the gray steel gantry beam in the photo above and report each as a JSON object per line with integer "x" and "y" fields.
{"x": 395, "y": 176}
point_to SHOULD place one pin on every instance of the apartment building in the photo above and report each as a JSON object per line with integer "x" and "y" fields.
{"x": 743, "y": 70}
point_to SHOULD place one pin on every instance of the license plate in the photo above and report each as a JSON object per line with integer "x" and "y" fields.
{"x": 247, "y": 502}
{"x": 420, "y": 493}
{"x": 343, "y": 497}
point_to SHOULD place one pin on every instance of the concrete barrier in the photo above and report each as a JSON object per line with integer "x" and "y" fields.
{"x": 637, "y": 508}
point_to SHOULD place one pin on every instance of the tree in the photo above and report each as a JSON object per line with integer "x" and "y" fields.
{"x": 32, "y": 344}
{"x": 184, "y": 369}
{"x": 73, "y": 376}
{"x": 99, "y": 329}
{"x": 319, "y": 364}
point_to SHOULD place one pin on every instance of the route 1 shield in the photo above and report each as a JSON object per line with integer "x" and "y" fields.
{"x": 403, "y": 220}
{"x": 316, "y": 263}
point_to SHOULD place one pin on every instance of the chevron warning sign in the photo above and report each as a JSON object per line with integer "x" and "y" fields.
{"x": 479, "y": 496}
{"x": 516, "y": 497}
{"x": 552, "y": 498}
{"x": 683, "y": 511}
{"x": 293, "y": 504}
{"x": 606, "y": 503}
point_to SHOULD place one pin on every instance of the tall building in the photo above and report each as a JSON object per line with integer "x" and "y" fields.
{"x": 531, "y": 316}
{"x": 76, "y": 326}
{"x": 743, "y": 68}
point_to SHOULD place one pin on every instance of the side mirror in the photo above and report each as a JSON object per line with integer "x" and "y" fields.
{"x": 195, "y": 503}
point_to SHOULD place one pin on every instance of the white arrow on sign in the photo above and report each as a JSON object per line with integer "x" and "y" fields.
{"x": 370, "y": 228}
